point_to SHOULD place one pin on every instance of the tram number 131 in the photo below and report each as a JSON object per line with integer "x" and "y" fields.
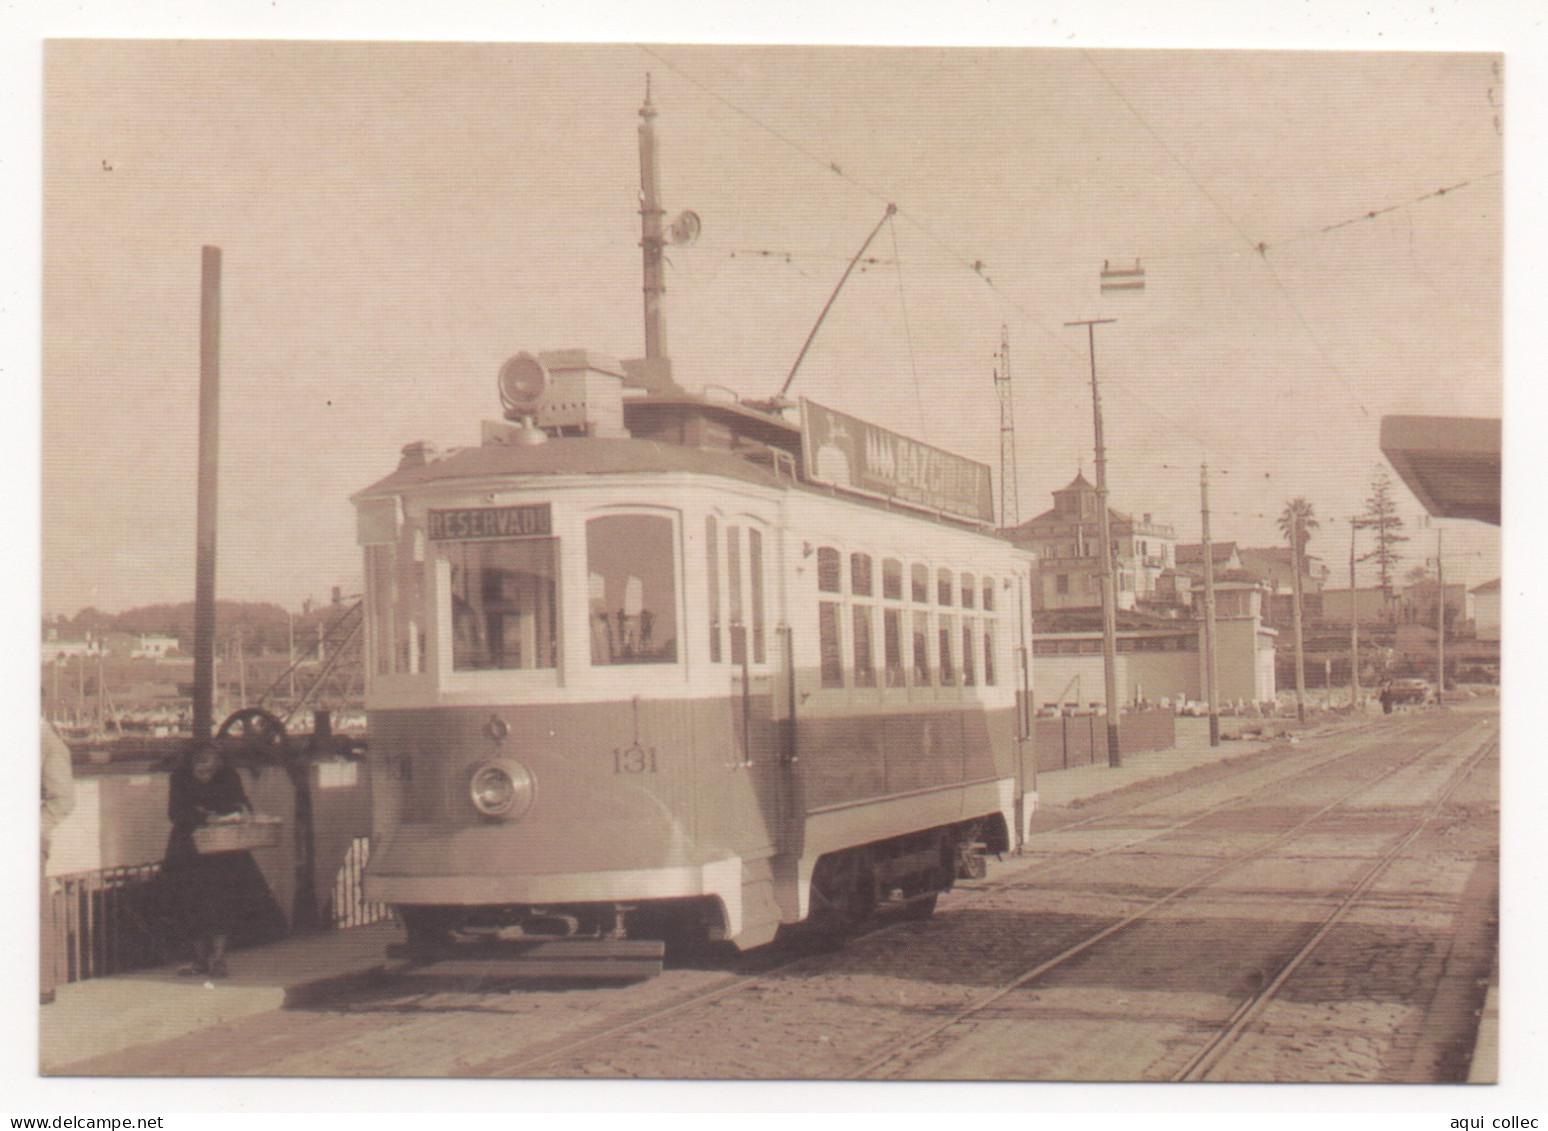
{"x": 635, "y": 759}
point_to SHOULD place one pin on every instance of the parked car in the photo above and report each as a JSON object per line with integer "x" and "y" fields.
{"x": 1411, "y": 691}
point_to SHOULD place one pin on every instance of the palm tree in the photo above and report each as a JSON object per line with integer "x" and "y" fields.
{"x": 1296, "y": 524}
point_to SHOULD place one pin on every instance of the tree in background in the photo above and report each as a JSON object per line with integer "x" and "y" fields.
{"x": 1382, "y": 517}
{"x": 1296, "y": 524}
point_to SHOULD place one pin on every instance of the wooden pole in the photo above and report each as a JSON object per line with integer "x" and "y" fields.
{"x": 1109, "y": 593}
{"x": 209, "y": 463}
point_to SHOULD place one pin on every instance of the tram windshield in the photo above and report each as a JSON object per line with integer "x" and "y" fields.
{"x": 632, "y": 589}
{"x": 502, "y": 602}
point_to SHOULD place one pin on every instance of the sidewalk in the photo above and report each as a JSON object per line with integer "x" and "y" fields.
{"x": 104, "y": 1015}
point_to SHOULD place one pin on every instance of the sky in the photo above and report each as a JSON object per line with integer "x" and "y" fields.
{"x": 396, "y": 219}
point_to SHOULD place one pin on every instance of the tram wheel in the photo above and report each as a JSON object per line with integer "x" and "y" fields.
{"x": 843, "y": 893}
{"x": 918, "y": 910}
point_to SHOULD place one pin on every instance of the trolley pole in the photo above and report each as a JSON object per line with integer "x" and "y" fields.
{"x": 209, "y": 463}
{"x": 1109, "y": 594}
{"x": 1211, "y": 677}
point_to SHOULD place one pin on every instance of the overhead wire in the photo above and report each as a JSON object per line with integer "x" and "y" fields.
{"x": 979, "y": 268}
{"x": 974, "y": 264}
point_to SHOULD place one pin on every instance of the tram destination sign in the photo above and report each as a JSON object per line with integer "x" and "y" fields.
{"x": 844, "y": 451}
{"x": 465, "y": 524}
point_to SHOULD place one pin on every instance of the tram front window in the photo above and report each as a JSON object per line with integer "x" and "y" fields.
{"x": 502, "y": 604}
{"x": 632, "y": 582}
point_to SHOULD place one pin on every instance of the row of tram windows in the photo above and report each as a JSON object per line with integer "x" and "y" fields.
{"x": 934, "y": 628}
{"x": 503, "y": 597}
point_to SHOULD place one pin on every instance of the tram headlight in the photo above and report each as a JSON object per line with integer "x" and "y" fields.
{"x": 501, "y": 789}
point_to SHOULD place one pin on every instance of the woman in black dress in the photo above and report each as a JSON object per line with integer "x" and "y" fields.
{"x": 211, "y": 892}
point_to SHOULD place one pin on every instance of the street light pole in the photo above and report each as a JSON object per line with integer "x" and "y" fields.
{"x": 1109, "y": 594}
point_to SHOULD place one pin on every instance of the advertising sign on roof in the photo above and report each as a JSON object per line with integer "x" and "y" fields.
{"x": 844, "y": 451}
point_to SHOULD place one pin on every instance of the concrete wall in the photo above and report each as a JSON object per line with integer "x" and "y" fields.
{"x": 120, "y": 820}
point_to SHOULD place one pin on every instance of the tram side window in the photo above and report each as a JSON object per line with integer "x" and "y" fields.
{"x": 944, "y": 587}
{"x": 892, "y": 646}
{"x": 921, "y": 648}
{"x": 755, "y": 584}
{"x": 969, "y": 667}
{"x": 988, "y": 594}
{"x": 892, "y": 579}
{"x": 712, "y": 562}
{"x": 947, "y": 648}
{"x": 830, "y": 567}
{"x": 989, "y": 680}
{"x": 969, "y": 591}
{"x": 632, "y": 590}
{"x": 832, "y": 656}
{"x": 865, "y": 654}
{"x": 502, "y": 601}
{"x": 395, "y": 581}
{"x": 919, "y": 585}
{"x": 734, "y": 584}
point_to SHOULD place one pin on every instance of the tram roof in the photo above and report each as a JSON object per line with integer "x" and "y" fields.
{"x": 574, "y": 456}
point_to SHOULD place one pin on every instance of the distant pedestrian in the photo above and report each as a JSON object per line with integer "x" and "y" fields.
{"x": 1386, "y": 698}
{"x": 58, "y": 799}
{"x": 211, "y": 893}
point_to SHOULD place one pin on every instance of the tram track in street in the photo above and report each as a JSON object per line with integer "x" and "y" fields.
{"x": 591, "y": 1045}
{"x": 1201, "y": 1065}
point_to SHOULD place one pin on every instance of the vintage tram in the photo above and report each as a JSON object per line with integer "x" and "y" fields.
{"x": 651, "y": 664}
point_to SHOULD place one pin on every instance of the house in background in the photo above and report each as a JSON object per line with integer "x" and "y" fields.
{"x": 1275, "y": 566}
{"x": 1067, "y": 541}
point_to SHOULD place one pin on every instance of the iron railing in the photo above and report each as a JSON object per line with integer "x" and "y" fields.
{"x": 114, "y": 920}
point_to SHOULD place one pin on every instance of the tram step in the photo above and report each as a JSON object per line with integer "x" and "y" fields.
{"x": 631, "y": 959}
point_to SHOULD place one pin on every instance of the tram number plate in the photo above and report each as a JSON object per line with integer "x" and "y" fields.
{"x": 634, "y": 759}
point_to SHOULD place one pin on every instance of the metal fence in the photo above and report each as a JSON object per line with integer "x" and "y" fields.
{"x": 347, "y": 903}
{"x": 115, "y": 920}
{"x": 106, "y": 922}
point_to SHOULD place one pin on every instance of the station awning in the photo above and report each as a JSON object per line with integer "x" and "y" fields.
{"x": 1450, "y": 463}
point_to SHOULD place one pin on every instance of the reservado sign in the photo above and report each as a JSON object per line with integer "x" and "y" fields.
{"x": 464, "y": 524}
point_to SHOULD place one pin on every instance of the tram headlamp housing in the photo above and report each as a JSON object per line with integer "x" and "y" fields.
{"x": 501, "y": 789}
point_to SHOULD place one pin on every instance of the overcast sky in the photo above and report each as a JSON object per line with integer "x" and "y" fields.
{"x": 397, "y": 219}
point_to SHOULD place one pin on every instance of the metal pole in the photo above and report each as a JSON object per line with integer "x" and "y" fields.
{"x": 651, "y": 239}
{"x": 1354, "y": 624}
{"x": 209, "y": 462}
{"x": 1211, "y": 676}
{"x": 1440, "y": 618}
{"x": 1109, "y": 594}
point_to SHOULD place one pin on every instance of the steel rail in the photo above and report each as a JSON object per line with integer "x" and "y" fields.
{"x": 906, "y": 1045}
{"x": 1205, "y": 1061}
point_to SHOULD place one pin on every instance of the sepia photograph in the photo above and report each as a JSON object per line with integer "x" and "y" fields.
{"x": 770, "y": 562}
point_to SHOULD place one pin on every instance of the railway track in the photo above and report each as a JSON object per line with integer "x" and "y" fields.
{"x": 1217, "y": 1048}
{"x": 574, "y": 1055}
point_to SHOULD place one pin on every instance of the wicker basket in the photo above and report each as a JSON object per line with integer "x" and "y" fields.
{"x": 258, "y": 831}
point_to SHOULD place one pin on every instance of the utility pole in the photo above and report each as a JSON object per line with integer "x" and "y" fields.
{"x": 1440, "y": 621}
{"x": 1354, "y": 624}
{"x": 1109, "y": 594}
{"x": 1211, "y": 678}
{"x": 1010, "y": 500}
{"x": 209, "y": 464}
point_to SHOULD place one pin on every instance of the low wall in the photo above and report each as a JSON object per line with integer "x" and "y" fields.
{"x": 1068, "y": 741}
